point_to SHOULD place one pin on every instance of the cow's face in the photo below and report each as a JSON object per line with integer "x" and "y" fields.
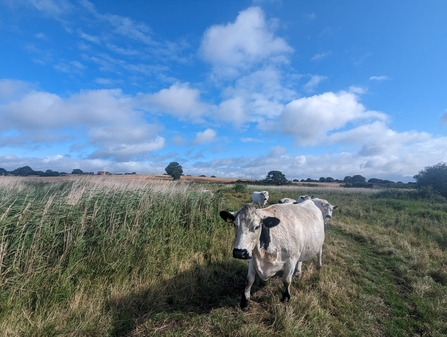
{"x": 248, "y": 225}
{"x": 302, "y": 198}
{"x": 327, "y": 210}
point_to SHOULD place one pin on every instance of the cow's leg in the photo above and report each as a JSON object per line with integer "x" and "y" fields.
{"x": 320, "y": 254}
{"x": 245, "y": 300}
{"x": 289, "y": 267}
{"x": 297, "y": 271}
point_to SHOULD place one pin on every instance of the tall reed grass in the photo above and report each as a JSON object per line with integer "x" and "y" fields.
{"x": 114, "y": 256}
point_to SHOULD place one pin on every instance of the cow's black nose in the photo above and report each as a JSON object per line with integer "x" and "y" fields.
{"x": 328, "y": 216}
{"x": 241, "y": 254}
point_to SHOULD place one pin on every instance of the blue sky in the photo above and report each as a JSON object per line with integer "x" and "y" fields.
{"x": 226, "y": 88}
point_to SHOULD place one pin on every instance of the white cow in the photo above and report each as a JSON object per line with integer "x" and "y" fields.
{"x": 286, "y": 201}
{"x": 302, "y": 198}
{"x": 278, "y": 237}
{"x": 260, "y": 198}
{"x": 325, "y": 207}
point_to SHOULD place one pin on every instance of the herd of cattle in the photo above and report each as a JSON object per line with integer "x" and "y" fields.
{"x": 278, "y": 237}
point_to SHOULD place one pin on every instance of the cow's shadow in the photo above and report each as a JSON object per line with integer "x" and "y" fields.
{"x": 198, "y": 290}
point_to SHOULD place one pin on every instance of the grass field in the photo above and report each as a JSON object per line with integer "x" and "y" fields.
{"x": 120, "y": 256}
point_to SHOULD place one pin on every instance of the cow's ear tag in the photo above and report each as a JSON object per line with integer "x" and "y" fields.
{"x": 270, "y": 221}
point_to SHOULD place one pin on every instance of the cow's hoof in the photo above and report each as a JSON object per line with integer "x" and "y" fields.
{"x": 285, "y": 298}
{"x": 245, "y": 304}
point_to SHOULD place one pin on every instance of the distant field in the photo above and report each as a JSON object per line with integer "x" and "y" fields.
{"x": 145, "y": 256}
{"x": 164, "y": 177}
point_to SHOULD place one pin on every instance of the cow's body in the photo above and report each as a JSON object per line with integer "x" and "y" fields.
{"x": 260, "y": 198}
{"x": 279, "y": 237}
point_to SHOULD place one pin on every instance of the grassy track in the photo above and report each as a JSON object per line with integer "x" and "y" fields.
{"x": 108, "y": 256}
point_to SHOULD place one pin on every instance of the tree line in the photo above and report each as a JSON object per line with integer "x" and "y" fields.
{"x": 28, "y": 171}
{"x": 431, "y": 179}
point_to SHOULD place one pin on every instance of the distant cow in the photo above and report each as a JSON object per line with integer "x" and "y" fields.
{"x": 278, "y": 237}
{"x": 286, "y": 201}
{"x": 302, "y": 198}
{"x": 325, "y": 207}
{"x": 260, "y": 198}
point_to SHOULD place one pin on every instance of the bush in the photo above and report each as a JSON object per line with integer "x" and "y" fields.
{"x": 240, "y": 187}
{"x": 434, "y": 177}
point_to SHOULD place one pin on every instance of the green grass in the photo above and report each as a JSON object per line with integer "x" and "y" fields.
{"x": 97, "y": 256}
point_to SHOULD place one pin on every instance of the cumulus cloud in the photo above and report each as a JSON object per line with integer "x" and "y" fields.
{"x": 377, "y": 136}
{"x": 254, "y": 97}
{"x": 110, "y": 121}
{"x": 240, "y": 44}
{"x": 309, "y": 119}
{"x": 205, "y": 137}
{"x": 178, "y": 100}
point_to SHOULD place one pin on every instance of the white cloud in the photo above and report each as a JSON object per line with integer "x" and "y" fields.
{"x": 87, "y": 37}
{"x": 377, "y": 139}
{"x": 205, "y": 137}
{"x": 320, "y": 56}
{"x": 250, "y": 140}
{"x": 232, "y": 111}
{"x": 54, "y": 8}
{"x": 379, "y": 78}
{"x": 309, "y": 119}
{"x": 313, "y": 82}
{"x": 178, "y": 100}
{"x": 239, "y": 45}
{"x": 277, "y": 151}
{"x": 106, "y": 120}
{"x": 255, "y": 97}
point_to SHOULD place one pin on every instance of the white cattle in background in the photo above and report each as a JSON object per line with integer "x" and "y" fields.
{"x": 260, "y": 198}
{"x": 275, "y": 238}
{"x": 286, "y": 201}
{"x": 325, "y": 207}
{"x": 302, "y": 198}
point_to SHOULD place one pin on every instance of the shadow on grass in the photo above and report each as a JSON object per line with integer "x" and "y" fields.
{"x": 194, "y": 292}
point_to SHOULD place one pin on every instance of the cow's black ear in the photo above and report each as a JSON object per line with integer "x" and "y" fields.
{"x": 227, "y": 216}
{"x": 270, "y": 222}
{"x": 334, "y": 207}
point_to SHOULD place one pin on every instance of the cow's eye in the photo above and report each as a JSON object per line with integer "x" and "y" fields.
{"x": 257, "y": 227}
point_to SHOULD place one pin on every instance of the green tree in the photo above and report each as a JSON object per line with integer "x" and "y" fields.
{"x": 358, "y": 179}
{"x": 276, "y": 178}
{"x": 434, "y": 177}
{"x": 174, "y": 169}
{"x": 77, "y": 171}
{"x": 23, "y": 171}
